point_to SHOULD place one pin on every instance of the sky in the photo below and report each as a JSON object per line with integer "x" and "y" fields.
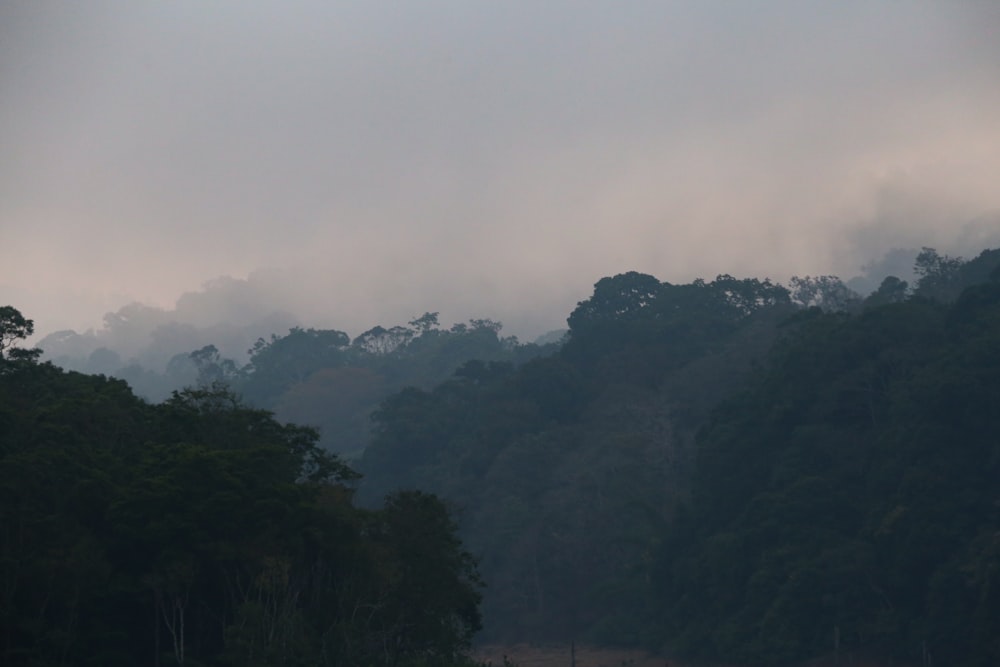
{"x": 360, "y": 163}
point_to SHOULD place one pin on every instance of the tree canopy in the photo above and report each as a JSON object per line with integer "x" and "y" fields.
{"x": 726, "y": 470}
{"x": 731, "y": 470}
{"x": 201, "y": 531}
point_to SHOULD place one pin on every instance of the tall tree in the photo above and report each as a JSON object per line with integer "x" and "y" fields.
{"x": 14, "y": 327}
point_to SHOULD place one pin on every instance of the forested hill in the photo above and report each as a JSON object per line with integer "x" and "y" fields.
{"x": 203, "y": 532}
{"x": 733, "y": 470}
{"x": 319, "y": 377}
{"x": 851, "y": 493}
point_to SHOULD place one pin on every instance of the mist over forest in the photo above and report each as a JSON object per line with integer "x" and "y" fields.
{"x": 733, "y": 471}
{"x": 364, "y": 165}
{"x": 149, "y": 346}
{"x": 442, "y": 333}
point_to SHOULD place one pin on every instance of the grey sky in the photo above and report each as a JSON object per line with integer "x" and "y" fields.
{"x": 367, "y": 161}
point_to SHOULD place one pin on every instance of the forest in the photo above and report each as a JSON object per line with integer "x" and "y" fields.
{"x": 731, "y": 471}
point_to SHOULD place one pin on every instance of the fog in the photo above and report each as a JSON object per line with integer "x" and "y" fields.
{"x": 354, "y": 164}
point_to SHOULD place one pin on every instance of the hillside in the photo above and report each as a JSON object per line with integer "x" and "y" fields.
{"x": 730, "y": 471}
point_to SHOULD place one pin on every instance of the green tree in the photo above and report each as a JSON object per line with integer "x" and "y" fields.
{"x": 15, "y": 327}
{"x": 201, "y": 531}
{"x": 891, "y": 290}
{"x": 826, "y": 292}
{"x": 213, "y": 368}
{"x": 278, "y": 363}
{"x": 432, "y": 608}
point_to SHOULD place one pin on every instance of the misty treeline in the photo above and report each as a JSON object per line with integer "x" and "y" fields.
{"x": 730, "y": 470}
{"x": 733, "y": 470}
{"x": 229, "y": 320}
{"x": 200, "y": 531}
{"x": 319, "y": 377}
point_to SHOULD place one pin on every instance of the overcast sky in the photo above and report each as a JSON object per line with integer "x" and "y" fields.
{"x": 365, "y": 162}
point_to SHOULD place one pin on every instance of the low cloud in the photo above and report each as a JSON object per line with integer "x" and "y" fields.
{"x": 360, "y": 164}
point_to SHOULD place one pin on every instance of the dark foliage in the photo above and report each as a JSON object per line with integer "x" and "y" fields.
{"x": 726, "y": 470}
{"x": 203, "y": 532}
{"x": 839, "y": 498}
{"x": 851, "y": 492}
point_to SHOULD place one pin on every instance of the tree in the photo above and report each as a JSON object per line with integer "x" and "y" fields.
{"x": 750, "y": 294}
{"x": 13, "y": 327}
{"x": 622, "y": 297}
{"x": 826, "y": 292}
{"x": 278, "y": 363}
{"x": 432, "y": 611}
{"x": 892, "y": 290}
{"x": 381, "y": 341}
{"x": 200, "y": 531}
{"x": 939, "y": 276}
{"x": 213, "y": 368}
{"x": 425, "y": 323}
{"x": 486, "y": 324}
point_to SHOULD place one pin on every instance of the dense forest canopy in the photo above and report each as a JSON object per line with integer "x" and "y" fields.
{"x": 319, "y": 377}
{"x": 731, "y": 470}
{"x": 201, "y": 531}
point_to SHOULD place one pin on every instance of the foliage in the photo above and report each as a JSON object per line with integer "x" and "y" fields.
{"x": 319, "y": 377}
{"x": 840, "y": 485}
{"x": 15, "y": 327}
{"x": 732, "y": 470}
{"x": 850, "y": 491}
{"x": 825, "y": 292}
{"x": 567, "y": 467}
{"x": 204, "y": 532}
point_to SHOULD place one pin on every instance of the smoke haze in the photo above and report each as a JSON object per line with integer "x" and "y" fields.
{"x": 361, "y": 163}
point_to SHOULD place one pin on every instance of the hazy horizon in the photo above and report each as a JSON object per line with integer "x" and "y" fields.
{"x": 361, "y": 163}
